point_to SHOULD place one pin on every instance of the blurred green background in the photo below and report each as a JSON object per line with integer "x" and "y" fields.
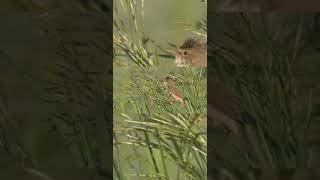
{"x": 168, "y": 21}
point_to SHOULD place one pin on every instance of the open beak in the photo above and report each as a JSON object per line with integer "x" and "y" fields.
{"x": 173, "y": 52}
{"x": 172, "y": 45}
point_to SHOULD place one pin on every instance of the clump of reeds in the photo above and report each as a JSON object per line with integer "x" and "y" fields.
{"x": 167, "y": 130}
{"x": 128, "y": 38}
{"x": 149, "y": 126}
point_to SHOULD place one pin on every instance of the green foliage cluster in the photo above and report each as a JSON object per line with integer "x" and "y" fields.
{"x": 154, "y": 136}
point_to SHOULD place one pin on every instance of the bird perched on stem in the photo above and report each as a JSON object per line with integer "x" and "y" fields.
{"x": 223, "y": 110}
{"x": 174, "y": 91}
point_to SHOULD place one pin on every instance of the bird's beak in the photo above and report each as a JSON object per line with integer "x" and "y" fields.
{"x": 172, "y": 45}
{"x": 173, "y": 52}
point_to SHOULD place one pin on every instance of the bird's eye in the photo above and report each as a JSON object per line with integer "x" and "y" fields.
{"x": 185, "y": 53}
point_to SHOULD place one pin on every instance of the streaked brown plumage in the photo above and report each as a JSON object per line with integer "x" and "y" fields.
{"x": 223, "y": 111}
{"x": 174, "y": 91}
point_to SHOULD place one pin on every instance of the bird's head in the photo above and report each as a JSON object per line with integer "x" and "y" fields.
{"x": 189, "y": 51}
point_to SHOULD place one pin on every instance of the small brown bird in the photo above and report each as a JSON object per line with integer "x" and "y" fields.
{"x": 223, "y": 110}
{"x": 192, "y": 53}
{"x": 175, "y": 92}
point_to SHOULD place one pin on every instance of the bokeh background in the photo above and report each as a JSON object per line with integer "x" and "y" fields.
{"x": 171, "y": 21}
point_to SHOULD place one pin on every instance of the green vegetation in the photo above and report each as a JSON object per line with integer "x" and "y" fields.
{"x": 154, "y": 136}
